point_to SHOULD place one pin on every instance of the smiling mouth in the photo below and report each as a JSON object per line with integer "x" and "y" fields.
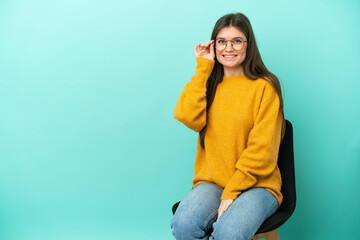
{"x": 229, "y": 56}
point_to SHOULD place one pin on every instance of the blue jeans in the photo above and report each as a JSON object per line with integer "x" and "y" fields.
{"x": 197, "y": 213}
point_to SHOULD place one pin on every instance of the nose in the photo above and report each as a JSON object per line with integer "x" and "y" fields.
{"x": 229, "y": 47}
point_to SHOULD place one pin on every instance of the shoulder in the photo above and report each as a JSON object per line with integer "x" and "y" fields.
{"x": 268, "y": 91}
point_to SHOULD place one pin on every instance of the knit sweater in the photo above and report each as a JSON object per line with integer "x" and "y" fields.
{"x": 243, "y": 132}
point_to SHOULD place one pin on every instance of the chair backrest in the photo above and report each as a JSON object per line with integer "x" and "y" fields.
{"x": 287, "y": 170}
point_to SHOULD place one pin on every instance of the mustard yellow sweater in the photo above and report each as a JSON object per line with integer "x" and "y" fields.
{"x": 243, "y": 132}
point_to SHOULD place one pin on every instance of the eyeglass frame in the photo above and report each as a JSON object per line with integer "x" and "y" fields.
{"x": 232, "y": 43}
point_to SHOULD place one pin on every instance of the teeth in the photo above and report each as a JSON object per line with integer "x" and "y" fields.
{"x": 227, "y": 56}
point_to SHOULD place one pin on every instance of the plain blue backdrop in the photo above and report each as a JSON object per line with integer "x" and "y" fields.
{"x": 89, "y": 148}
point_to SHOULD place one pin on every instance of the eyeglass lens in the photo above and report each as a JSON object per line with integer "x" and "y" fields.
{"x": 236, "y": 44}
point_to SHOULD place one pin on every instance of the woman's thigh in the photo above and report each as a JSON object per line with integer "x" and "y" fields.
{"x": 245, "y": 215}
{"x": 196, "y": 212}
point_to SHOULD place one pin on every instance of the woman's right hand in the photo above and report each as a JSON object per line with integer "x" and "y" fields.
{"x": 205, "y": 50}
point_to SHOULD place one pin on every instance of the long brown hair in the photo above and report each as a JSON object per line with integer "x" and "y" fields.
{"x": 253, "y": 65}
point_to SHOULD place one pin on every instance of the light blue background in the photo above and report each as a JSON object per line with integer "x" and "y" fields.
{"x": 89, "y": 148}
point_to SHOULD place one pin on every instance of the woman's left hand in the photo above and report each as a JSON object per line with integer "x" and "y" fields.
{"x": 224, "y": 205}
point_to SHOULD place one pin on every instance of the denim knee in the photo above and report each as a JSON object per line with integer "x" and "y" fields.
{"x": 223, "y": 230}
{"x": 185, "y": 229}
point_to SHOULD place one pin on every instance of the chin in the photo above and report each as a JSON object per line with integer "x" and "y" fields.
{"x": 231, "y": 65}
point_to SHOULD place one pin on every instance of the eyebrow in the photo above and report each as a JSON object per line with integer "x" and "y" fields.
{"x": 230, "y": 39}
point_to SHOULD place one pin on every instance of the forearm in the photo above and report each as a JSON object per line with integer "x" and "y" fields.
{"x": 191, "y": 106}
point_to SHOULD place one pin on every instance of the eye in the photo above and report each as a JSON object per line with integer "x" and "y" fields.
{"x": 238, "y": 41}
{"x": 221, "y": 41}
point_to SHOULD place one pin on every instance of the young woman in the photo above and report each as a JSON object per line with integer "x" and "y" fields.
{"x": 235, "y": 104}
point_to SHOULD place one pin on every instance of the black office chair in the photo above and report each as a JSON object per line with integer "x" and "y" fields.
{"x": 268, "y": 229}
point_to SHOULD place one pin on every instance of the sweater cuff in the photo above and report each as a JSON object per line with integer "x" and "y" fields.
{"x": 204, "y": 65}
{"x": 229, "y": 195}
{"x": 238, "y": 182}
{"x": 203, "y": 71}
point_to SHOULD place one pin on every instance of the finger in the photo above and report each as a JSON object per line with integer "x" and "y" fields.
{"x": 212, "y": 51}
{"x": 196, "y": 47}
{"x": 219, "y": 214}
{"x": 209, "y": 42}
{"x": 203, "y": 46}
{"x": 220, "y": 210}
{"x": 226, "y": 207}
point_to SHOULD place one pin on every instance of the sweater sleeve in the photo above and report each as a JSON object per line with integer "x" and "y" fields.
{"x": 191, "y": 106}
{"x": 259, "y": 159}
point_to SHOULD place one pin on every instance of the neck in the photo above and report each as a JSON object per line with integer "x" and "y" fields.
{"x": 231, "y": 72}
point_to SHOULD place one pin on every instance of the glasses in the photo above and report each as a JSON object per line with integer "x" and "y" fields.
{"x": 236, "y": 44}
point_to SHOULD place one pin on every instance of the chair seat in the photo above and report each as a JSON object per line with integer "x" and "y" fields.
{"x": 287, "y": 171}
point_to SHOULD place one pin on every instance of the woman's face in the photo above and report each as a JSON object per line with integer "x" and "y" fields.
{"x": 229, "y": 57}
